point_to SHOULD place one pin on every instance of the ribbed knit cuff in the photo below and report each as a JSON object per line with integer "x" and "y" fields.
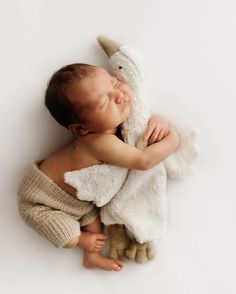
{"x": 90, "y": 217}
{"x": 61, "y": 230}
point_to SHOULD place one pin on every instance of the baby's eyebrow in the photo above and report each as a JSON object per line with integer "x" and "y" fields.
{"x": 114, "y": 81}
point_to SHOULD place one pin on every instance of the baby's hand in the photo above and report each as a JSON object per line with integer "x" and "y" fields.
{"x": 91, "y": 242}
{"x": 158, "y": 128}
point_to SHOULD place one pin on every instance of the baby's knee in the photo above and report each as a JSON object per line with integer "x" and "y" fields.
{"x": 72, "y": 243}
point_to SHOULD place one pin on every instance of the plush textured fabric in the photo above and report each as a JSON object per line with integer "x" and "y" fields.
{"x": 134, "y": 198}
{"x": 52, "y": 212}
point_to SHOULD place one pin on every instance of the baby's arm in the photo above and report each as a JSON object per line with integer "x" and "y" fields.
{"x": 110, "y": 149}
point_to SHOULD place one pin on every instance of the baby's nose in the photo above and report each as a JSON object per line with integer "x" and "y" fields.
{"x": 118, "y": 97}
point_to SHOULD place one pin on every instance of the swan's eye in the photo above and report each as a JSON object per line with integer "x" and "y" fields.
{"x": 120, "y": 67}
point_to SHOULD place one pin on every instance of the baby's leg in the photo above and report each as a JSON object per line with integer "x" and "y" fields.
{"x": 91, "y": 238}
{"x": 95, "y": 259}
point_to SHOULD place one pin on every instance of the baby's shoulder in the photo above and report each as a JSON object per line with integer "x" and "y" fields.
{"x": 96, "y": 139}
{"x": 101, "y": 139}
{"x": 104, "y": 145}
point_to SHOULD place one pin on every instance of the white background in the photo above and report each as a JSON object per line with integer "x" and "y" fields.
{"x": 189, "y": 50}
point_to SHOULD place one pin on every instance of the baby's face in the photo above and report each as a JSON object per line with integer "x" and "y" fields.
{"x": 105, "y": 100}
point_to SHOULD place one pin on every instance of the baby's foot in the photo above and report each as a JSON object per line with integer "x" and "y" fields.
{"x": 91, "y": 242}
{"x": 96, "y": 260}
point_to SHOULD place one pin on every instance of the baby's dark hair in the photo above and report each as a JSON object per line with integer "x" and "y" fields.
{"x": 56, "y": 96}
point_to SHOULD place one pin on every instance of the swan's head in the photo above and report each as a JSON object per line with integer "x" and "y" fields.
{"x": 125, "y": 62}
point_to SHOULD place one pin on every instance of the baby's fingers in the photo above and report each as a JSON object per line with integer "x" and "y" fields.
{"x": 97, "y": 248}
{"x": 161, "y": 135}
{"x": 100, "y": 243}
{"x": 148, "y": 133}
{"x": 101, "y": 237}
{"x": 154, "y": 136}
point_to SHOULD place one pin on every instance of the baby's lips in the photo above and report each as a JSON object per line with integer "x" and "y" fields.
{"x": 126, "y": 99}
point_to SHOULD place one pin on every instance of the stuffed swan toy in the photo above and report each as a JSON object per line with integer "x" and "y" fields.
{"x": 133, "y": 201}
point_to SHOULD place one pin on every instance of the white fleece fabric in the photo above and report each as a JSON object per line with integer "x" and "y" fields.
{"x": 134, "y": 198}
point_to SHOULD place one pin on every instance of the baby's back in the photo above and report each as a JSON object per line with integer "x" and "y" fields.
{"x": 72, "y": 156}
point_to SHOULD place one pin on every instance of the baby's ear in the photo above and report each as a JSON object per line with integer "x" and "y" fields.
{"x": 77, "y": 129}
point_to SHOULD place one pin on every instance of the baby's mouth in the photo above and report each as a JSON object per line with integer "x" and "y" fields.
{"x": 126, "y": 99}
{"x": 125, "y": 102}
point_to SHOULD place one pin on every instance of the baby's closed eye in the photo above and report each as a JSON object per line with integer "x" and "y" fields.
{"x": 104, "y": 103}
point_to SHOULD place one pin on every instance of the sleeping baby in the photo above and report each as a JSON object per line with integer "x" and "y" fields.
{"x": 91, "y": 104}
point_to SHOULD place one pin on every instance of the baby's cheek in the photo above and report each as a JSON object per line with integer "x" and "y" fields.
{"x": 129, "y": 91}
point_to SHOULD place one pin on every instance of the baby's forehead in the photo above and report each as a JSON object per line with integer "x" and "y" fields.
{"x": 88, "y": 83}
{"x": 100, "y": 75}
{"x": 99, "y": 71}
{"x": 93, "y": 76}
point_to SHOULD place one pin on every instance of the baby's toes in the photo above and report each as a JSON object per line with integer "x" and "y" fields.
{"x": 119, "y": 264}
{"x": 116, "y": 267}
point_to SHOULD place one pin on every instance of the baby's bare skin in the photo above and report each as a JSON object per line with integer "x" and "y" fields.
{"x": 96, "y": 260}
{"x": 91, "y": 238}
{"x": 92, "y": 241}
{"x": 107, "y": 103}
